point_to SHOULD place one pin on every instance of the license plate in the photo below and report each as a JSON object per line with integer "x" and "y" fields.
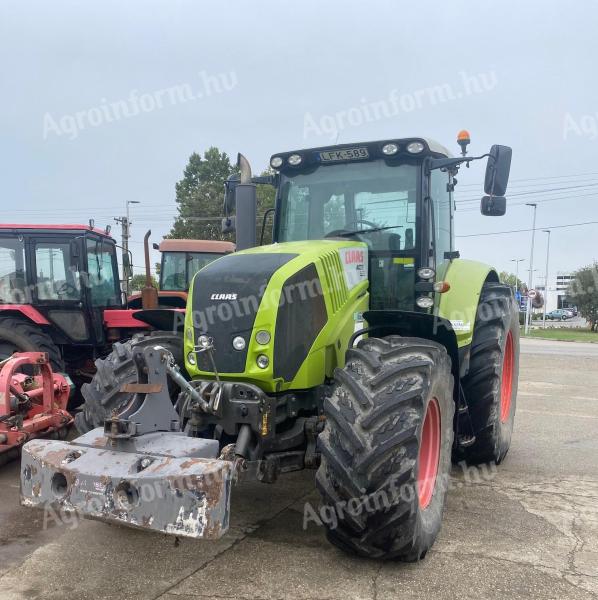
{"x": 344, "y": 154}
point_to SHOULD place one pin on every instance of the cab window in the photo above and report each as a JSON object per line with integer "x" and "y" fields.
{"x": 56, "y": 278}
{"x": 13, "y": 283}
{"x": 443, "y": 215}
{"x": 102, "y": 275}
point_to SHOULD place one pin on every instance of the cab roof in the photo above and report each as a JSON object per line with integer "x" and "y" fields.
{"x": 53, "y": 228}
{"x": 374, "y": 148}
{"x": 209, "y": 246}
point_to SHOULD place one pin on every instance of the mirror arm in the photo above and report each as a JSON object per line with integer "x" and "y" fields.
{"x": 266, "y": 214}
{"x": 448, "y": 163}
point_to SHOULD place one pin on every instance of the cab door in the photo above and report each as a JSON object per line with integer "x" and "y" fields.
{"x": 442, "y": 231}
{"x": 57, "y": 290}
{"x": 102, "y": 285}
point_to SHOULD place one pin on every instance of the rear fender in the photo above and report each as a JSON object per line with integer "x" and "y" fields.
{"x": 23, "y": 310}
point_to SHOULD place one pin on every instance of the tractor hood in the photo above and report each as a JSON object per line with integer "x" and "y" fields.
{"x": 290, "y": 293}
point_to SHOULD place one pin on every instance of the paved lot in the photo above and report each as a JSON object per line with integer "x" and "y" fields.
{"x": 528, "y": 530}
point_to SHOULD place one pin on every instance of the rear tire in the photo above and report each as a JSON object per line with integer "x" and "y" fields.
{"x": 18, "y": 335}
{"x": 491, "y": 384}
{"x": 102, "y": 395}
{"x": 374, "y": 448}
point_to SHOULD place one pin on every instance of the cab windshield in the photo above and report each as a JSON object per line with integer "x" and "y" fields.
{"x": 340, "y": 199}
{"x": 178, "y": 269}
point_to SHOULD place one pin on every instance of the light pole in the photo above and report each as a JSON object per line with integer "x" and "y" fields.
{"x": 517, "y": 261}
{"x": 531, "y": 268}
{"x": 546, "y": 279}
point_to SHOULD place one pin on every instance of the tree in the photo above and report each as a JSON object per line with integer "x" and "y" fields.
{"x": 138, "y": 282}
{"x": 266, "y": 195}
{"x": 510, "y": 279}
{"x": 583, "y": 292}
{"x": 199, "y": 196}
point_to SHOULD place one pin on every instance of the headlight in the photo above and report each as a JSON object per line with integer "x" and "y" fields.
{"x": 390, "y": 149}
{"x": 276, "y": 162}
{"x": 294, "y": 160}
{"x": 415, "y": 147}
{"x": 203, "y": 341}
{"x": 239, "y": 343}
{"x": 191, "y": 358}
{"x": 425, "y": 302}
{"x": 263, "y": 361}
{"x": 262, "y": 337}
{"x": 426, "y": 273}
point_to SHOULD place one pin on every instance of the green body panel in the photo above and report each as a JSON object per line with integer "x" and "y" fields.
{"x": 460, "y": 303}
{"x": 342, "y": 304}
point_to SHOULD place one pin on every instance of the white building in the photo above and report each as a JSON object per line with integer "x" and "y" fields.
{"x": 557, "y": 290}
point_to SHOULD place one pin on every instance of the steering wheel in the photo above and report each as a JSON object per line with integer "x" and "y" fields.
{"x": 345, "y": 232}
{"x": 67, "y": 289}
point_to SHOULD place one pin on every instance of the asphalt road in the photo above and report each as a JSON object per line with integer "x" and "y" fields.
{"x": 526, "y": 530}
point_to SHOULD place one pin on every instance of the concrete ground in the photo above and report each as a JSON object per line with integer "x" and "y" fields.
{"x": 526, "y": 530}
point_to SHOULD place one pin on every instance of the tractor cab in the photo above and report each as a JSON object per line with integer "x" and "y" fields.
{"x": 59, "y": 276}
{"x": 181, "y": 259}
{"x": 396, "y": 196}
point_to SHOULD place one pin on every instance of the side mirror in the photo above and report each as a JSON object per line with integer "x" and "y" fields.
{"x": 228, "y": 225}
{"x": 497, "y": 170}
{"x": 493, "y": 206}
{"x": 230, "y": 185}
{"x": 74, "y": 244}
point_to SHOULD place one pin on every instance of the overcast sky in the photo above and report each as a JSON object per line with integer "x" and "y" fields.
{"x": 95, "y": 109}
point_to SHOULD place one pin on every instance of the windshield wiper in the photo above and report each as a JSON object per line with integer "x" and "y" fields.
{"x": 371, "y": 229}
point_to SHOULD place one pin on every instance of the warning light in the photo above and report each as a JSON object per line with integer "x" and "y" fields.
{"x": 463, "y": 140}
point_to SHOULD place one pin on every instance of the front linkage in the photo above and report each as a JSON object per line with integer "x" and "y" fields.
{"x": 143, "y": 469}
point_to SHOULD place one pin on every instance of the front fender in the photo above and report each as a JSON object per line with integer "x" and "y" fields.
{"x": 459, "y": 305}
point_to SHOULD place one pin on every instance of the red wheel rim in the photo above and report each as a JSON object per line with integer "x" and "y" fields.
{"x": 506, "y": 386}
{"x": 429, "y": 454}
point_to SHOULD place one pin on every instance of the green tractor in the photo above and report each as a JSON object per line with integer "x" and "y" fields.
{"x": 359, "y": 344}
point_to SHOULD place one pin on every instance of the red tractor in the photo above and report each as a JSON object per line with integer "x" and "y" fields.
{"x": 60, "y": 293}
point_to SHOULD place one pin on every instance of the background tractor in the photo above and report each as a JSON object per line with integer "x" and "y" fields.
{"x": 358, "y": 344}
{"x": 179, "y": 261}
{"x": 60, "y": 293}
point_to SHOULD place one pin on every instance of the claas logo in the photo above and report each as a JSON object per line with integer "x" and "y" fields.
{"x": 353, "y": 257}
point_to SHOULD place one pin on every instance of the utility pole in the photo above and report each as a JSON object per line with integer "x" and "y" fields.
{"x": 528, "y": 312}
{"x": 125, "y": 223}
{"x": 546, "y": 279}
{"x": 517, "y": 261}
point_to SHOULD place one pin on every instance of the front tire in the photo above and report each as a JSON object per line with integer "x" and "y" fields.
{"x": 386, "y": 448}
{"x": 103, "y": 394}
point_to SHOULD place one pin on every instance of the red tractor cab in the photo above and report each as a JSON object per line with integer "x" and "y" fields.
{"x": 60, "y": 293}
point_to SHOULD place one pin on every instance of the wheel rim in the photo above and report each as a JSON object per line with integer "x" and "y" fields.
{"x": 506, "y": 386}
{"x": 429, "y": 454}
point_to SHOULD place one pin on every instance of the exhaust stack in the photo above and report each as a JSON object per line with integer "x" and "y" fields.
{"x": 149, "y": 294}
{"x": 246, "y": 207}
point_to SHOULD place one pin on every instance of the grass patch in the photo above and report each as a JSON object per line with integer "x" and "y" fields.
{"x": 563, "y": 334}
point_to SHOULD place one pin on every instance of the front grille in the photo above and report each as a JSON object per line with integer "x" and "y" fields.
{"x": 335, "y": 279}
{"x": 226, "y": 297}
